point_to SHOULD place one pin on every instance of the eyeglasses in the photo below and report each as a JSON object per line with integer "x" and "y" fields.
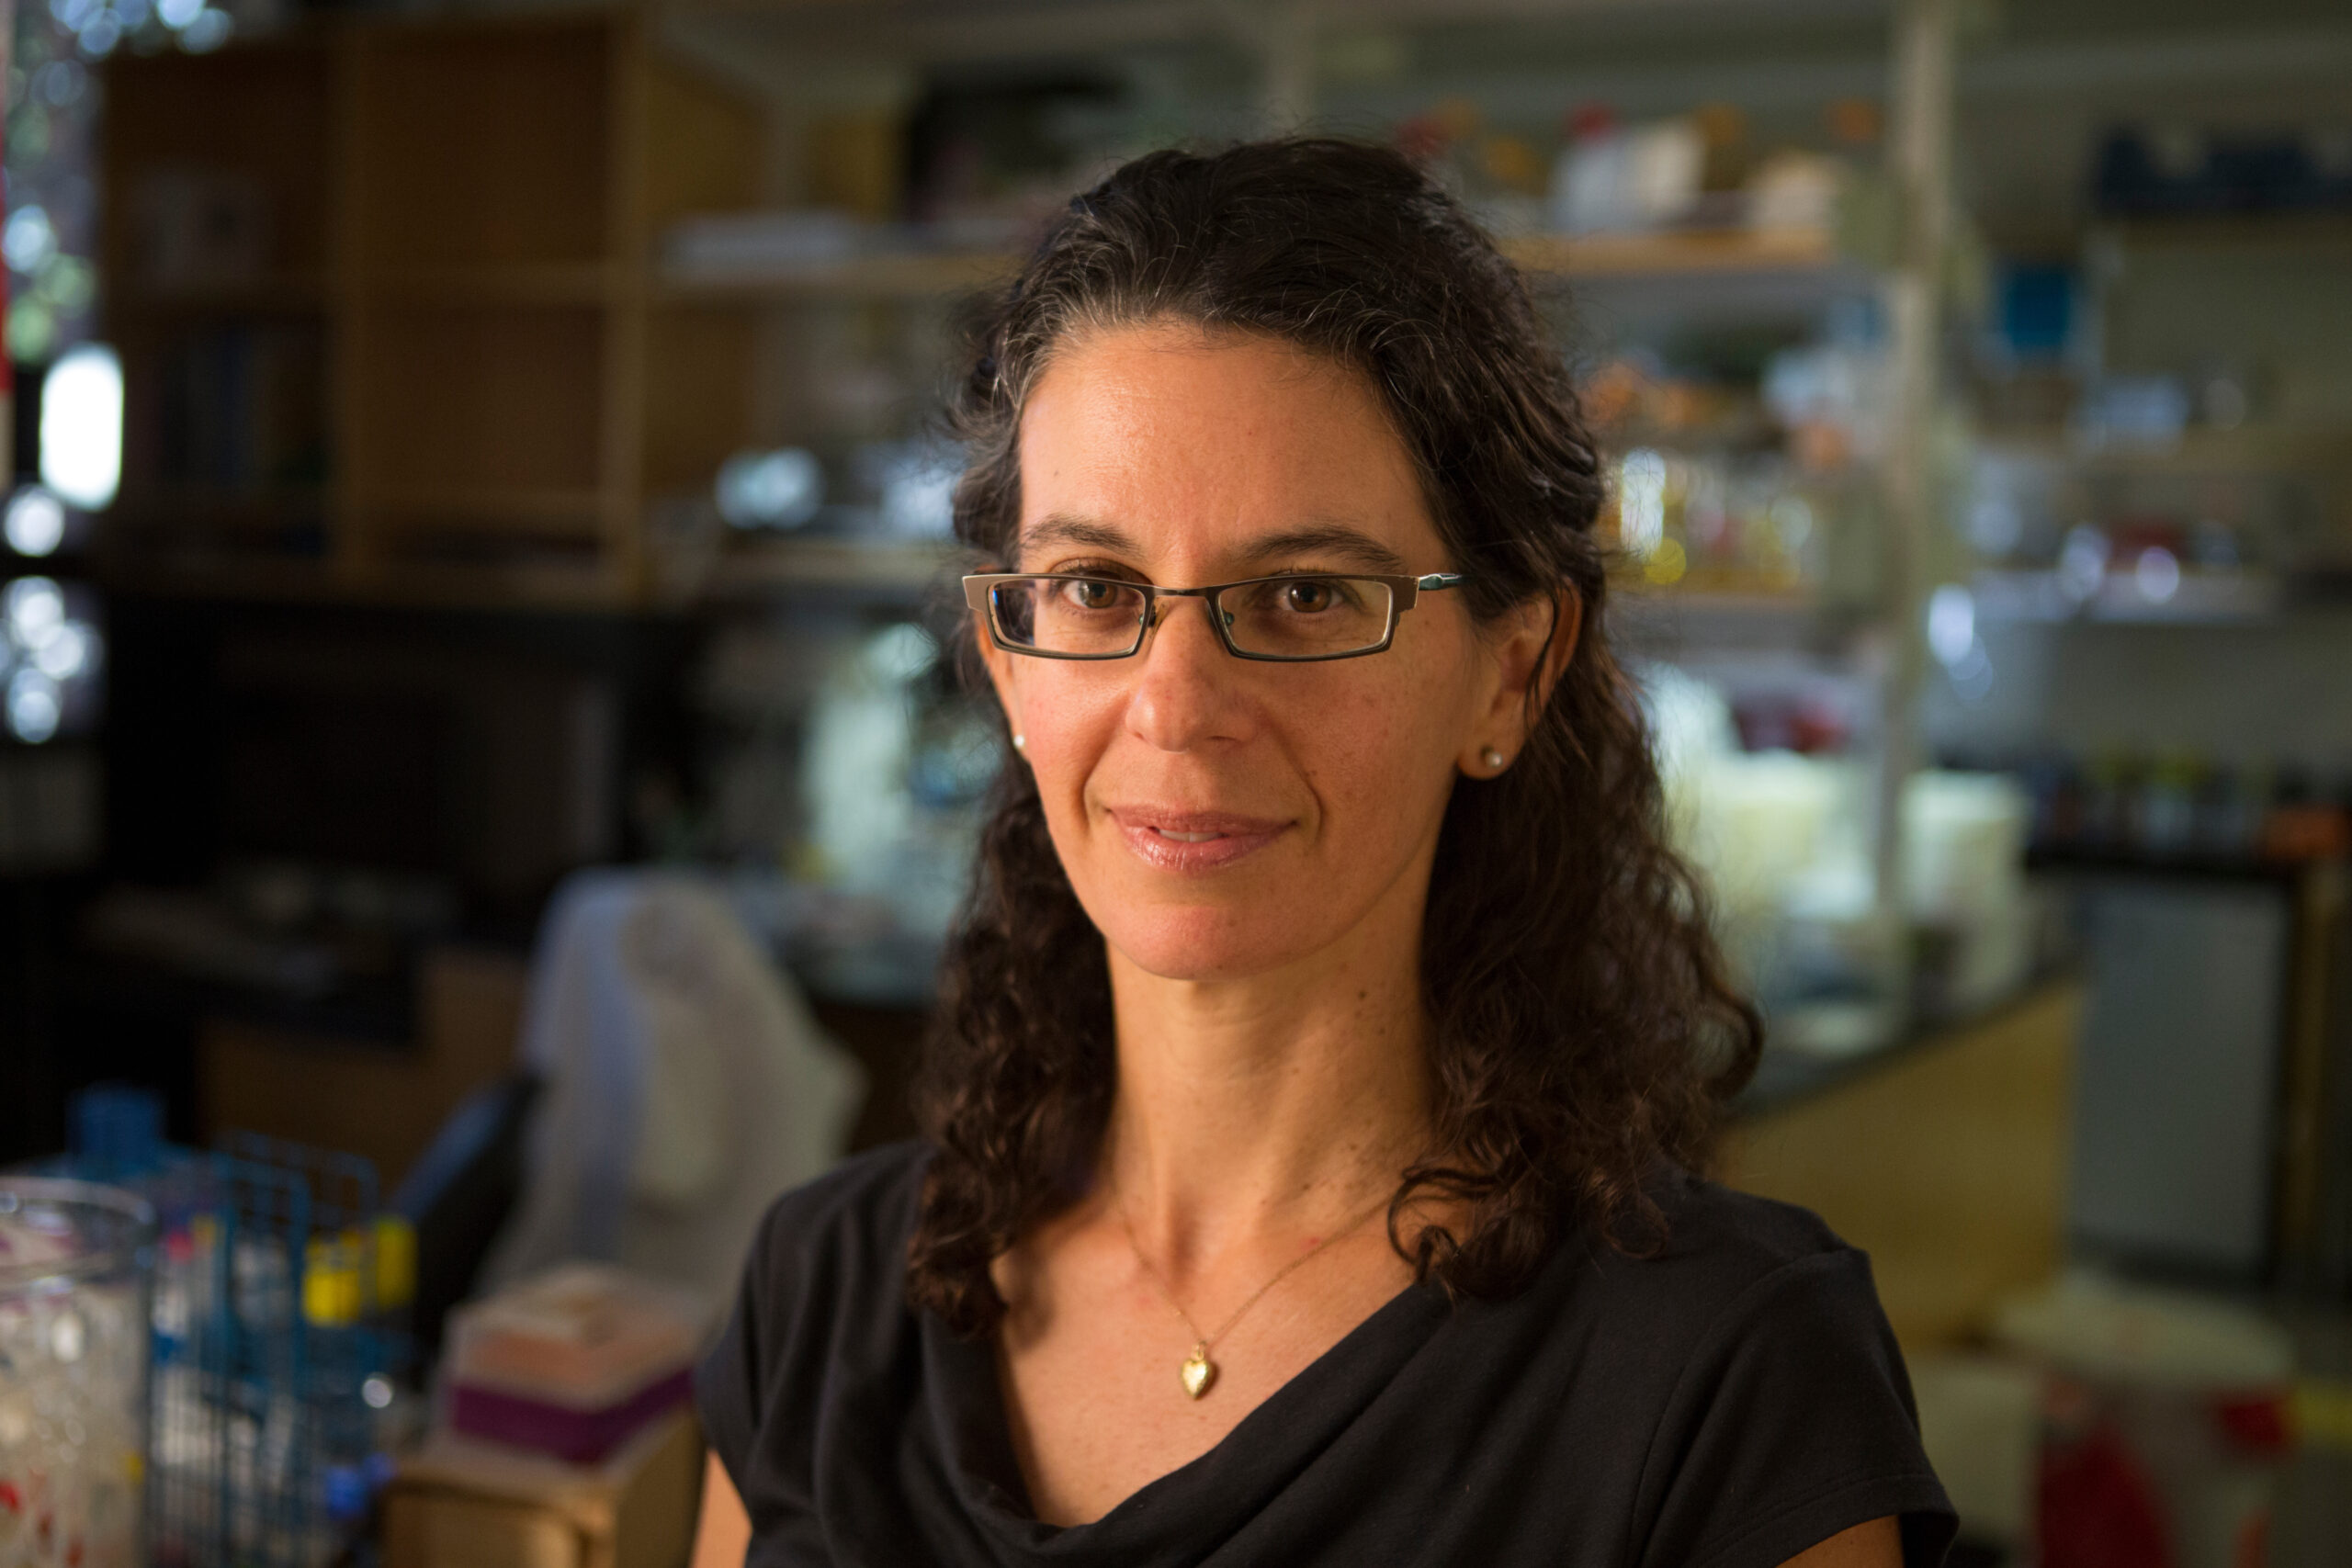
{"x": 1285, "y": 620}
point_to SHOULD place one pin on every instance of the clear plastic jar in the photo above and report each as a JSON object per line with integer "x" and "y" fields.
{"x": 75, "y": 1262}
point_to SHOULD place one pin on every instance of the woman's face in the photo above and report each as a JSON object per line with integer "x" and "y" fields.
{"x": 1219, "y": 816}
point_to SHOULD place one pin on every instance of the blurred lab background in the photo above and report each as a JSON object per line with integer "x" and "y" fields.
{"x": 483, "y": 786}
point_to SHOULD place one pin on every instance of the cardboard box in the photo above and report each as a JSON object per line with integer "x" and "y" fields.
{"x": 462, "y": 1504}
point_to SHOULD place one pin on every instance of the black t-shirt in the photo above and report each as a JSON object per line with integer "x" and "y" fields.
{"x": 1725, "y": 1404}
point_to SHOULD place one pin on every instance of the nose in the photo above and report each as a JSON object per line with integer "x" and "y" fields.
{"x": 1184, "y": 694}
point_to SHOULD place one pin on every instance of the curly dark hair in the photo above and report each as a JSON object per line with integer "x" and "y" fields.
{"x": 1581, "y": 1023}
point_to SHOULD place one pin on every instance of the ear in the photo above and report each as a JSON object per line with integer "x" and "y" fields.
{"x": 1559, "y": 649}
{"x": 1531, "y": 647}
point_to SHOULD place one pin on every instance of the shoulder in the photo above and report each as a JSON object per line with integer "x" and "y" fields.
{"x": 1708, "y": 1250}
{"x": 1762, "y": 1284}
{"x": 1713, "y": 1280}
{"x": 1782, "y": 1412}
{"x": 829, "y": 1259}
{"x": 1719, "y": 1387}
{"x": 1738, "y": 1231}
{"x": 821, "y": 1306}
{"x": 856, "y": 1218}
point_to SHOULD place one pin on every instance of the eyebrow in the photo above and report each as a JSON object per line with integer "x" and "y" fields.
{"x": 1352, "y": 544}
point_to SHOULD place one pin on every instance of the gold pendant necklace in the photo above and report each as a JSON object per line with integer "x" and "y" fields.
{"x": 1198, "y": 1373}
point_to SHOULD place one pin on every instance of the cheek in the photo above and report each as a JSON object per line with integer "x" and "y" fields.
{"x": 1374, "y": 756}
{"x": 1068, "y": 722}
{"x": 1365, "y": 753}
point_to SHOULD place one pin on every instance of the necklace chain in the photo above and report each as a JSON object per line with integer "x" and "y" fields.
{"x": 1204, "y": 1343}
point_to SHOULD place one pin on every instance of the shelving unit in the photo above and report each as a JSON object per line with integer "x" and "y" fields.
{"x": 515, "y": 404}
{"x": 454, "y": 217}
{"x": 2198, "y": 598}
{"x": 2235, "y": 480}
{"x": 793, "y": 321}
{"x": 216, "y": 256}
{"x": 460, "y": 219}
{"x": 518, "y": 393}
{"x": 734, "y": 312}
{"x": 1671, "y": 253}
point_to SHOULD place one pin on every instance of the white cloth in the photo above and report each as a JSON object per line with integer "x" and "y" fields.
{"x": 685, "y": 1085}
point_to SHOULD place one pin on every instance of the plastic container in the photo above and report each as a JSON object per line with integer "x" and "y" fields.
{"x": 279, "y": 1308}
{"x": 76, "y": 1274}
{"x": 1963, "y": 839}
{"x": 270, "y": 1415}
{"x": 2165, "y": 1423}
{"x": 571, "y": 1362}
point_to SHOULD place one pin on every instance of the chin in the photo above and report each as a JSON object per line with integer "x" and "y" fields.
{"x": 1208, "y": 941}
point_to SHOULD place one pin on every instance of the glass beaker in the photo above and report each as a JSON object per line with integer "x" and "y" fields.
{"x": 75, "y": 1262}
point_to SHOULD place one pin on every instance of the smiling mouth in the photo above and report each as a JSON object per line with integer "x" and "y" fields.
{"x": 1194, "y": 841}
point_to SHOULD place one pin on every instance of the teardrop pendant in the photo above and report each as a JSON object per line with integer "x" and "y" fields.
{"x": 1199, "y": 1371}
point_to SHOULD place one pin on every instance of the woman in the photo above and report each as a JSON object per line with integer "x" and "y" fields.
{"x": 1330, "y": 1037}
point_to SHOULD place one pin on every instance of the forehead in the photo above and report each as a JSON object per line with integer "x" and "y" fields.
{"x": 1194, "y": 446}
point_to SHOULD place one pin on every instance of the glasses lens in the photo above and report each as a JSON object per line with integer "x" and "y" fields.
{"x": 1079, "y": 616}
{"x": 1307, "y": 617}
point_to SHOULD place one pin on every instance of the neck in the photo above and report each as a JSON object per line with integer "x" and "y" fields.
{"x": 1272, "y": 1109}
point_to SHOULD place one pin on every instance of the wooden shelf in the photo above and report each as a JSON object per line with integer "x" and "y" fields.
{"x": 284, "y": 295}
{"x": 915, "y": 275}
{"x": 216, "y": 575}
{"x": 754, "y": 569}
{"x": 2250, "y": 449}
{"x": 912, "y": 275}
{"x": 2275, "y": 230}
{"x": 1682, "y": 619}
{"x": 800, "y": 33}
{"x": 585, "y": 584}
{"x": 219, "y": 505}
{"x": 482, "y": 148}
{"x": 561, "y": 585}
{"x": 541, "y": 512}
{"x": 463, "y": 207}
{"x": 2198, "y": 598}
{"x": 1675, "y": 252}
{"x": 1791, "y": 602}
{"x": 450, "y": 216}
{"x": 525, "y": 284}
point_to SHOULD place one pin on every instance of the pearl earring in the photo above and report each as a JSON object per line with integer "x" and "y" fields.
{"x": 1492, "y": 758}
{"x": 1019, "y": 742}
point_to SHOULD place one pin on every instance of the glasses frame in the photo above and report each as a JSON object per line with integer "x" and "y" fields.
{"x": 1403, "y": 590}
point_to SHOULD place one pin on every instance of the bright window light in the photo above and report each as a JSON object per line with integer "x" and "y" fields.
{"x": 64, "y": 653}
{"x": 28, "y": 239}
{"x": 34, "y": 706}
{"x": 207, "y": 29}
{"x": 771, "y": 490}
{"x": 81, "y": 426}
{"x": 30, "y": 609}
{"x": 35, "y": 522}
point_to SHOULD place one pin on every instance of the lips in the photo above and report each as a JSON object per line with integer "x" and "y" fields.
{"x": 1194, "y": 841}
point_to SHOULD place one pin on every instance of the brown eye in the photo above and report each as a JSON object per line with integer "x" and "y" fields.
{"x": 1091, "y": 595}
{"x": 1308, "y": 597}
